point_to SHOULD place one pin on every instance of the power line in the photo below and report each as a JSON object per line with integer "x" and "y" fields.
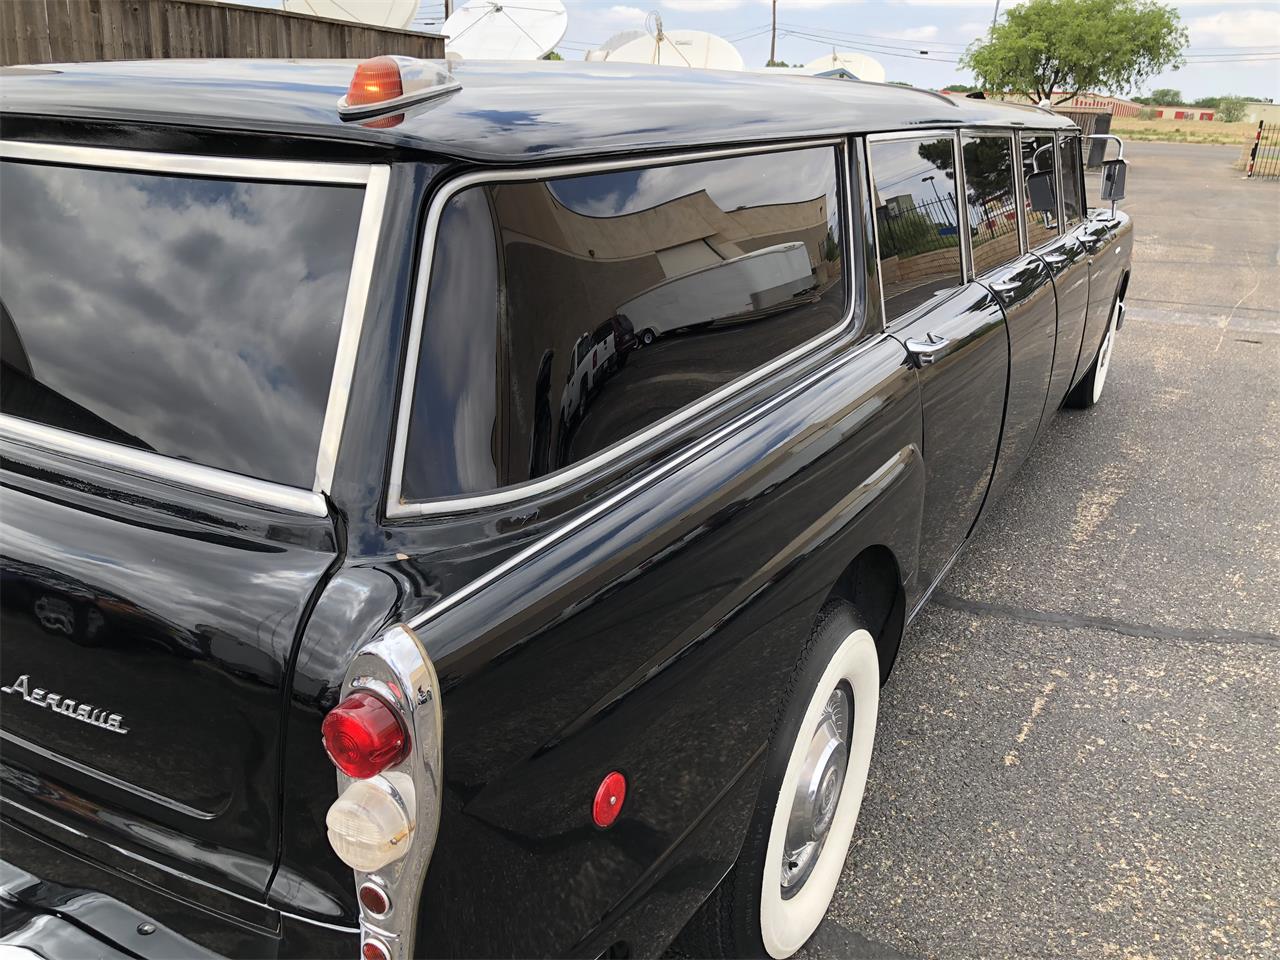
{"x": 866, "y": 48}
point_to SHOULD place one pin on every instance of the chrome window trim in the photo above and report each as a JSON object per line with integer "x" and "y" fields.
{"x": 927, "y": 133}
{"x": 373, "y": 178}
{"x": 962, "y": 208}
{"x": 159, "y": 467}
{"x": 353, "y": 310}
{"x": 396, "y": 509}
{"x": 185, "y": 164}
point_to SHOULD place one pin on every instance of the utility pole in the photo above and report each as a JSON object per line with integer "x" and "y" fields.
{"x": 773, "y": 36}
{"x": 994, "y": 15}
{"x": 448, "y": 8}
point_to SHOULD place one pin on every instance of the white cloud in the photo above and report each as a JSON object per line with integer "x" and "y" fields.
{"x": 1236, "y": 28}
{"x": 914, "y": 33}
{"x": 623, "y": 16}
{"x": 702, "y": 6}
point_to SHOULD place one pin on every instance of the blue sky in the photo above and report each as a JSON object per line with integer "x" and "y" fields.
{"x": 1235, "y": 45}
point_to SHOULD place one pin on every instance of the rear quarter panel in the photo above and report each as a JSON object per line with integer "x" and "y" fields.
{"x": 653, "y": 639}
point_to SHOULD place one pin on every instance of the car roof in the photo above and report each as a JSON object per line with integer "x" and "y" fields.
{"x": 505, "y": 112}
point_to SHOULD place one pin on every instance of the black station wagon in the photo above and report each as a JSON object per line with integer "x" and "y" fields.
{"x": 470, "y": 509}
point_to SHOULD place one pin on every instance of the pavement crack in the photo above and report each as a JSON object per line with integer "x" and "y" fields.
{"x": 1049, "y": 618}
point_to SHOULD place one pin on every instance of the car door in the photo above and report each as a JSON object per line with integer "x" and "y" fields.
{"x": 953, "y": 331}
{"x": 1019, "y": 280}
{"x": 1068, "y": 260}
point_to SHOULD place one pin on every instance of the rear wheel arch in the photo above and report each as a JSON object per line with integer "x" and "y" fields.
{"x": 872, "y": 583}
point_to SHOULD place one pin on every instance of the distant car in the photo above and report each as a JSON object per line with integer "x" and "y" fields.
{"x": 737, "y": 288}
{"x": 330, "y": 626}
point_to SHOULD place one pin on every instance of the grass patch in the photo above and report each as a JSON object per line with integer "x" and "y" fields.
{"x": 1183, "y": 131}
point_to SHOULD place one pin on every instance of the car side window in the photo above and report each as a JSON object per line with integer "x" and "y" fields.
{"x": 565, "y": 316}
{"x": 917, "y": 220}
{"x": 992, "y": 201}
{"x": 1073, "y": 204}
{"x": 1040, "y": 193}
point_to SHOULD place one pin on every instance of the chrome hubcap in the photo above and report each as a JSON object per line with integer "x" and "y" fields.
{"x": 818, "y": 792}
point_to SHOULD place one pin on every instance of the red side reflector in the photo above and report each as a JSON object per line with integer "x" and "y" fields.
{"x": 363, "y": 736}
{"x": 374, "y": 950}
{"x": 609, "y": 797}
{"x": 374, "y": 899}
{"x": 375, "y": 81}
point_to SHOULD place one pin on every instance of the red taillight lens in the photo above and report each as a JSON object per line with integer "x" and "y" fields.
{"x": 375, "y": 81}
{"x": 364, "y": 736}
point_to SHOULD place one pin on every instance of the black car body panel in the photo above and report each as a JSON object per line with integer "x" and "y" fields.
{"x": 585, "y": 109}
{"x": 640, "y": 616}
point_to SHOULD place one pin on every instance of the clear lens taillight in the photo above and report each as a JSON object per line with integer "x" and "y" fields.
{"x": 371, "y": 824}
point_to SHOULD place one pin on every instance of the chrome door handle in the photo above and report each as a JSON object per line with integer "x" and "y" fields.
{"x": 926, "y": 351}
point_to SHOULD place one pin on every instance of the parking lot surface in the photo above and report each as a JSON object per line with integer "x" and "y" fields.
{"x": 1079, "y": 748}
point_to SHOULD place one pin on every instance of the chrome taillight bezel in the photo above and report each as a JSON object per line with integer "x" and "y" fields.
{"x": 396, "y": 667}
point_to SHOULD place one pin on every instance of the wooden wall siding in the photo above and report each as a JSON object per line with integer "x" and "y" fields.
{"x": 67, "y": 31}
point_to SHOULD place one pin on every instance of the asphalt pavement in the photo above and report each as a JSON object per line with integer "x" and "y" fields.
{"x": 1079, "y": 748}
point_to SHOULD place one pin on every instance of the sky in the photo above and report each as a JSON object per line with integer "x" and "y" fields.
{"x": 1235, "y": 44}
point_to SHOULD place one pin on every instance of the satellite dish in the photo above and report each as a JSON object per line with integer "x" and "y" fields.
{"x": 679, "y": 48}
{"x": 497, "y": 30}
{"x": 603, "y": 51}
{"x": 378, "y": 13}
{"x": 859, "y": 64}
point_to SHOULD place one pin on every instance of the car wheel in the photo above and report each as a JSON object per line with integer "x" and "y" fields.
{"x": 1089, "y": 390}
{"x": 777, "y": 893}
{"x": 647, "y": 337}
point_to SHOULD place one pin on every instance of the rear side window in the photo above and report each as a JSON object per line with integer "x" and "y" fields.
{"x": 566, "y": 316}
{"x": 1072, "y": 182}
{"x": 913, "y": 185}
{"x": 992, "y": 201}
{"x": 195, "y": 318}
{"x": 1041, "y": 193}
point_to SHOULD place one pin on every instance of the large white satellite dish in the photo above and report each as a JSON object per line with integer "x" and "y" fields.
{"x": 603, "y": 51}
{"x": 859, "y": 64}
{"x": 498, "y": 30}
{"x": 680, "y": 48}
{"x": 377, "y": 13}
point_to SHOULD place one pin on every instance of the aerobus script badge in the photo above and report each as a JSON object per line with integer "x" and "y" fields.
{"x": 84, "y": 712}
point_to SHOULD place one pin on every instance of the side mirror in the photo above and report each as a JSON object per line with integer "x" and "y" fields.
{"x": 1113, "y": 174}
{"x": 1040, "y": 189}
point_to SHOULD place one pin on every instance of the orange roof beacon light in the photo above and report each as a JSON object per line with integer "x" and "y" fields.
{"x": 383, "y": 84}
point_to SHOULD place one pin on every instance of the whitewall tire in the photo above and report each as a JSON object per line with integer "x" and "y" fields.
{"x": 788, "y": 921}
{"x": 815, "y": 773}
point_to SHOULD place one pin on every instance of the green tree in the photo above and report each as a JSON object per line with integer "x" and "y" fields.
{"x": 1046, "y": 46}
{"x": 553, "y": 56}
{"x": 1207, "y": 102}
{"x": 1167, "y": 97}
{"x": 961, "y": 88}
{"x": 777, "y": 63}
{"x": 1230, "y": 109}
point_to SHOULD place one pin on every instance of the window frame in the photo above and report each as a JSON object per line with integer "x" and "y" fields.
{"x": 1057, "y": 186}
{"x": 1083, "y": 193}
{"x": 962, "y": 210}
{"x": 1010, "y": 135}
{"x": 850, "y": 327}
{"x": 372, "y": 177}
